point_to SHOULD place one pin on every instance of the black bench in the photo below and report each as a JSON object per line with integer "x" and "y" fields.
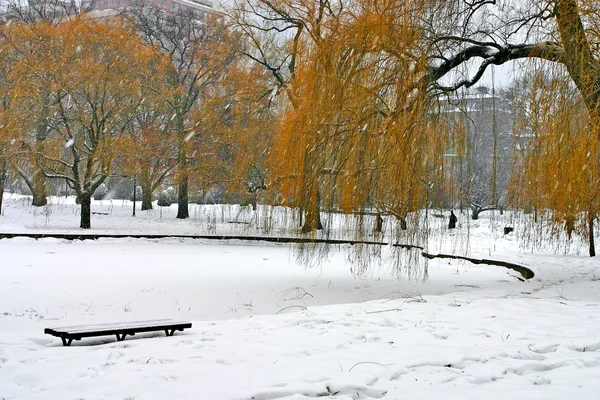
{"x": 120, "y": 329}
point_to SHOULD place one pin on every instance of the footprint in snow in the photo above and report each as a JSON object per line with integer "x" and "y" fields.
{"x": 115, "y": 355}
{"x": 541, "y": 381}
{"x": 27, "y": 380}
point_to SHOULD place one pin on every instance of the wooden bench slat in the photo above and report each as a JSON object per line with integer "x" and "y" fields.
{"x": 116, "y": 325}
{"x": 120, "y": 329}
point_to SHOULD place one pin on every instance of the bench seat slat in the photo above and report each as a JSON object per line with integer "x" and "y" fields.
{"x": 117, "y": 326}
{"x": 121, "y": 329}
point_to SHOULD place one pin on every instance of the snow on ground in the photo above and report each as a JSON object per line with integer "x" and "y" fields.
{"x": 266, "y": 327}
{"x": 115, "y": 216}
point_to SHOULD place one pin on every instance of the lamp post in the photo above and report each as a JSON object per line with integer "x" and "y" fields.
{"x": 134, "y": 194}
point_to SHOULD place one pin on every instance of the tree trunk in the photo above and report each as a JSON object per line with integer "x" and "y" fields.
{"x": 570, "y": 225}
{"x": 182, "y": 192}
{"x": 2, "y": 179}
{"x": 578, "y": 55}
{"x": 38, "y": 179}
{"x": 182, "y": 198}
{"x": 403, "y": 223}
{"x": 36, "y": 185}
{"x": 254, "y": 200}
{"x": 86, "y": 211}
{"x": 591, "y": 233}
{"x": 38, "y": 188}
{"x": 452, "y": 221}
{"x": 312, "y": 220}
{"x": 146, "y": 197}
{"x": 378, "y": 223}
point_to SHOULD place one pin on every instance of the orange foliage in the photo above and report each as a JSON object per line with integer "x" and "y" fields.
{"x": 93, "y": 76}
{"x": 360, "y": 136}
{"x": 560, "y": 174}
{"x": 236, "y": 124}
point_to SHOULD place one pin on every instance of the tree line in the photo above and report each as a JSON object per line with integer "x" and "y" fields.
{"x": 319, "y": 105}
{"x": 146, "y": 95}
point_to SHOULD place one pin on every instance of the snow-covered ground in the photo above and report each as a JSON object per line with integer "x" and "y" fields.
{"x": 267, "y": 327}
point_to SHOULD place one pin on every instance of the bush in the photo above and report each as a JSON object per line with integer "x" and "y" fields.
{"x": 212, "y": 196}
{"x": 138, "y": 194}
{"x": 100, "y": 193}
{"x": 167, "y": 197}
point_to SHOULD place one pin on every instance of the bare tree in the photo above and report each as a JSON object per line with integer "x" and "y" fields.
{"x": 200, "y": 52}
{"x": 49, "y": 11}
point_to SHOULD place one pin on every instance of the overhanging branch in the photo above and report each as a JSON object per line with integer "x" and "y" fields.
{"x": 492, "y": 54}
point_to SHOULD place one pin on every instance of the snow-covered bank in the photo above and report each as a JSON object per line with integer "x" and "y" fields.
{"x": 450, "y": 346}
{"x": 267, "y": 327}
{"x": 468, "y": 332}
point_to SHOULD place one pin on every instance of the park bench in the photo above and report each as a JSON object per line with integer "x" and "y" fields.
{"x": 120, "y": 329}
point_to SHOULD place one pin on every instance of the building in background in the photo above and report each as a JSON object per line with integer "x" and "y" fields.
{"x": 56, "y": 10}
{"x": 107, "y": 8}
{"x": 38, "y": 10}
{"x": 480, "y": 159}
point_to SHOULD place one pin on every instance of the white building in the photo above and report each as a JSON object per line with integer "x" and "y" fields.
{"x": 105, "y": 8}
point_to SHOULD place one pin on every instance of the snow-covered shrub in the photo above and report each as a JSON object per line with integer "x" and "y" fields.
{"x": 167, "y": 197}
{"x": 101, "y": 192}
{"x": 138, "y": 194}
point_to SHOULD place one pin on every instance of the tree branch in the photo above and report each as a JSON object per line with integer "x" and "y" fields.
{"x": 492, "y": 54}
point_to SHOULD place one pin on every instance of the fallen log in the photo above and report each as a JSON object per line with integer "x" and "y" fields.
{"x": 524, "y": 271}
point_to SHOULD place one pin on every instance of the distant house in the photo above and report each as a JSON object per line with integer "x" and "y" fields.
{"x": 482, "y": 160}
{"x": 38, "y": 10}
{"x": 107, "y": 8}
{"x": 56, "y": 10}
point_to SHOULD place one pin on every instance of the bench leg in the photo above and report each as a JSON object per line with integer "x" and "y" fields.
{"x": 170, "y": 333}
{"x": 66, "y": 342}
{"x": 121, "y": 337}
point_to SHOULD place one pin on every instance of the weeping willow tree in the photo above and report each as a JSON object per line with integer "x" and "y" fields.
{"x": 359, "y": 134}
{"x": 559, "y": 176}
{"x": 361, "y": 138}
